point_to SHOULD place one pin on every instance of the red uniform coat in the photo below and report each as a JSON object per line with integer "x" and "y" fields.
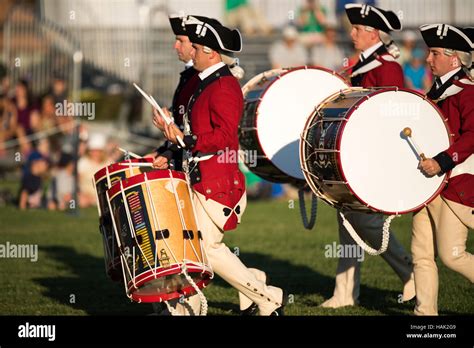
{"x": 383, "y": 71}
{"x": 389, "y": 73}
{"x": 188, "y": 83}
{"x": 459, "y": 111}
{"x": 215, "y": 111}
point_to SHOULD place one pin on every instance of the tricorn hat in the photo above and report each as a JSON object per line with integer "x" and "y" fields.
{"x": 178, "y": 23}
{"x": 448, "y": 36}
{"x": 374, "y": 17}
{"x": 209, "y": 32}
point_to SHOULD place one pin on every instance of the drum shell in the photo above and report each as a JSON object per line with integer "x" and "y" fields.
{"x": 328, "y": 167}
{"x": 162, "y": 245}
{"x": 113, "y": 174}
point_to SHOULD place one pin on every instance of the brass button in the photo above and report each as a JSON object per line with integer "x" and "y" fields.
{"x": 236, "y": 182}
{"x": 208, "y": 191}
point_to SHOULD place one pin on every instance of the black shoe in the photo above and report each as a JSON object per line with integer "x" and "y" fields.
{"x": 251, "y": 310}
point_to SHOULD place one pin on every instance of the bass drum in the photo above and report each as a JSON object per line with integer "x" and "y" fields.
{"x": 355, "y": 154}
{"x": 277, "y": 104}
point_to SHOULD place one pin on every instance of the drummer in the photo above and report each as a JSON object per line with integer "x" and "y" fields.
{"x": 172, "y": 155}
{"x": 188, "y": 81}
{"x": 169, "y": 153}
{"x": 212, "y": 120}
{"x": 443, "y": 224}
{"x": 376, "y": 67}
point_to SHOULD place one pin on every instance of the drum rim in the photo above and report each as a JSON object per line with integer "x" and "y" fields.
{"x": 189, "y": 290}
{"x": 192, "y": 267}
{"x": 139, "y": 179}
{"x": 259, "y": 101}
{"x": 117, "y": 167}
{"x": 350, "y": 111}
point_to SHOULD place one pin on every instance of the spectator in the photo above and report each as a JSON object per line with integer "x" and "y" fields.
{"x": 328, "y": 55}
{"x": 46, "y": 118}
{"x": 417, "y": 75}
{"x": 240, "y": 14}
{"x": 87, "y": 166}
{"x": 60, "y": 192}
{"x": 58, "y": 89}
{"x": 311, "y": 22}
{"x": 8, "y": 122}
{"x": 41, "y": 150}
{"x": 288, "y": 52}
{"x": 408, "y": 45}
{"x": 23, "y": 104}
{"x": 31, "y": 187}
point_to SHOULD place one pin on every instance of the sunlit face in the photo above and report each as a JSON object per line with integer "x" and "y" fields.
{"x": 183, "y": 48}
{"x": 439, "y": 63}
{"x": 199, "y": 57}
{"x": 361, "y": 38}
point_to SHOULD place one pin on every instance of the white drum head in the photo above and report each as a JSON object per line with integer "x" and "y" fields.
{"x": 283, "y": 111}
{"x": 378, "y": 163}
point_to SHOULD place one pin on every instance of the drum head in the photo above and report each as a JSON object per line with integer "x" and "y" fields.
{"x": 283, "y": 110}
{"x": 378, "y": 162}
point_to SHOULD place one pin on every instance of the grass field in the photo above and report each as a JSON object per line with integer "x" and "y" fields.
{"x": 69, "y": 278}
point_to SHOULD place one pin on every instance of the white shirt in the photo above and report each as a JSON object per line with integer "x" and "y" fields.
{"x": 188, "y": 64}
{"x": 448, "y": 75}
{"x": 207, "y": 72}
{"x": 367, "y": 53}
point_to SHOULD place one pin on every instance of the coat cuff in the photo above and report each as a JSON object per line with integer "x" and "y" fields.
{"x": 190, "y": 141}
{"x": 445, "y": 162}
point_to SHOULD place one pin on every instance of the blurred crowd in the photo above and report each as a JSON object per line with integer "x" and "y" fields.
{"x": 45, "y": 143}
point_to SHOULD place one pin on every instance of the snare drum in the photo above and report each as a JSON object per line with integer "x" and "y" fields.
{"x": 103, "y": 180}
{"x": 355, "y": 156}
{"x": 277, "y": 104}
{"x": 159, "y": 242}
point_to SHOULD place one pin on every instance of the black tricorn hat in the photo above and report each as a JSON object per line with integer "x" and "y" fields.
{"x": 209, "y": 32}
{"x": 178, "y": 23}
{"x": 374, "y": 17}
{"x": 448, "y": 36}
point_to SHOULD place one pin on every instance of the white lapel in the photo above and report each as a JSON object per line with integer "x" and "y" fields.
{"x": 366, "y": 68}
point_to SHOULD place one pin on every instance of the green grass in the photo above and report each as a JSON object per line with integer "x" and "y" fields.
{"x": 271, "y": 237}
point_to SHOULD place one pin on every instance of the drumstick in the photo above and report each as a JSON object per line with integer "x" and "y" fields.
{"x": 126, "y": 152}
{"x": 138, "y": 164}
{"x": 408, "y": 133}
{"x": 154, "y": 103}
{"x": 167, "y": 120}
{"x": 160, "y": 110}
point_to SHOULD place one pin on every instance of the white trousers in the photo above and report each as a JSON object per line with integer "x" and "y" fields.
{"x": 441, "y": 228}
{"x": 249, "y": 282}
